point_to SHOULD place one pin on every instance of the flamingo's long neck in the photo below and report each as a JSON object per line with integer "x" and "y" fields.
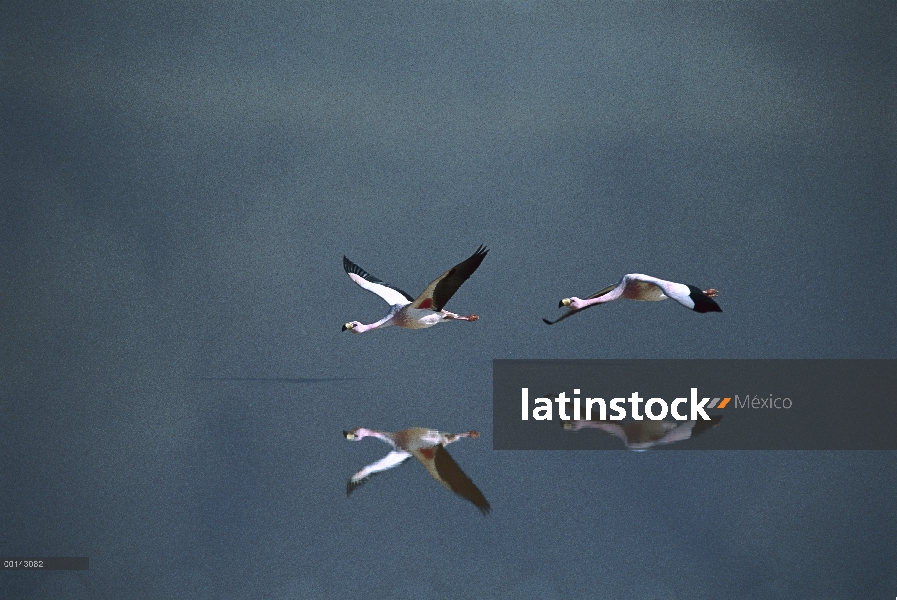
{"x": 380, "y": 435}
{"x": 384, "y": 322}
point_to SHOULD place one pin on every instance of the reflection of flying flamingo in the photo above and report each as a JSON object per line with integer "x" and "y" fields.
{"x": 636, "y": 286}
{"x": 415, "y": 313}
{"x": 427, "y": 446}
{"x": 641, "y": 435}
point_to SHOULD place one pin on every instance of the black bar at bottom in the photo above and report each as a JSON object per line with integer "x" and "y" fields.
{"x": 45, "y": 563}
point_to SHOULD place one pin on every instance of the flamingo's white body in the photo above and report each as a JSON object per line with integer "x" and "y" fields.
{"x": 415, "y": 313}
{"x": 428, "y": 447}
{"x": 636, "y": 286}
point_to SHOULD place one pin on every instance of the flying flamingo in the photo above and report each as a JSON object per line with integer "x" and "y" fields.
{"x": 415, "y": 313}
{"x": 636, "y": 286}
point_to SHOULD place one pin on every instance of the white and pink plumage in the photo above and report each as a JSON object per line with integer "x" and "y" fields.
{"x": 636, "y": 286}
{"x": 415, "y": 313}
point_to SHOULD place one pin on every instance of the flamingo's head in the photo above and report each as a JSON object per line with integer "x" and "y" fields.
{"x": 572, "y": 302}
{"x": 350, "y": 326}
